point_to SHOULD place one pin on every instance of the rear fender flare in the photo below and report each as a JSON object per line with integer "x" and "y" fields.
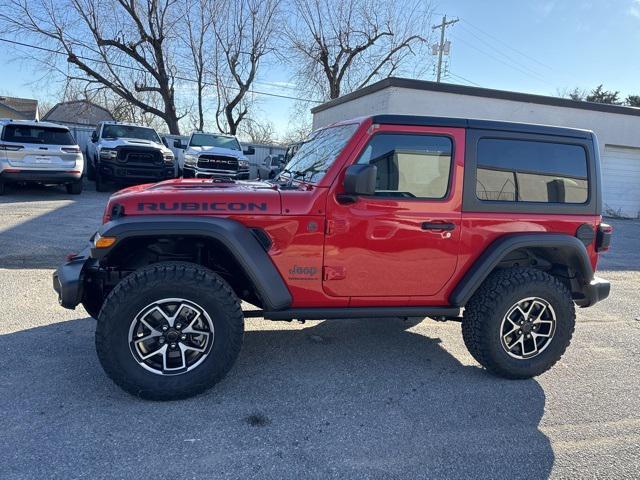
{"x": 570, "y": 250}
{"x": 237, "y": 238}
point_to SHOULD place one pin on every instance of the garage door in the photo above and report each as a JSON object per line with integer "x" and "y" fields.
{"x": 621, "y": 181}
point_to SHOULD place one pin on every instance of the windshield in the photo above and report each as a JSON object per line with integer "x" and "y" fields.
{"x": 130, "y": 131}
{"x": 316, "y": 155}
{"x": 211, "y": 140}
{"x": 37, "y": 134}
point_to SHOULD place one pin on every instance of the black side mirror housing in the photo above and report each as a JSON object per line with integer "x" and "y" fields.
{"x": 178, "y": 144}
{"x": 360, "y": 180}
{"x": 94, "y": 137}
{"x": 249, "y": 150}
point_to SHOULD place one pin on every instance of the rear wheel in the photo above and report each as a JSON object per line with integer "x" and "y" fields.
{"x": 519, "y": 322}
{"x": 169, "y": 331}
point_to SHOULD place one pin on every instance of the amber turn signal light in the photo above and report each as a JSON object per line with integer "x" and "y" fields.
{"x": 105, "y": 242}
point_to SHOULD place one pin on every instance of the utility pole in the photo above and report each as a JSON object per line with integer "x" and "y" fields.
{"x": 442, "y": 26}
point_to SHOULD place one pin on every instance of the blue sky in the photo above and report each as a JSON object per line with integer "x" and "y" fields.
{"x": 528, "y": 46}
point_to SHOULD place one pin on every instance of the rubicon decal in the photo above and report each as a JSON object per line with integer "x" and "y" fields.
{"x": 202, "y": 207}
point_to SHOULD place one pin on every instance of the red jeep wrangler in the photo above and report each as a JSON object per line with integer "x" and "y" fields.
{"x": 497, "y": 225}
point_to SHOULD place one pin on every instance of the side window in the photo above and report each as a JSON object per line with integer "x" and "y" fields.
{"x": 410, "y": 166}
{"x": 530, "y": 171}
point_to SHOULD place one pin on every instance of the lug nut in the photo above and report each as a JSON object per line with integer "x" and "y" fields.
{"x": 528, "y": 335}
{"x": 521, "y": 322}
{"x": 165, "y": 328}
{"x": 519, "y": 332}
{"x": 183, "y": 337}
{"x": 161, "y": 340}
{"x": 173, "y": 345}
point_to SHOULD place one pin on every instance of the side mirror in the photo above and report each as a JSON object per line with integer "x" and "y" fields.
{"x": 94, "y": 137}
{"x": 360, "y": 180}
{"x": 249, "y": 151}
{"x": 178, "y": 144}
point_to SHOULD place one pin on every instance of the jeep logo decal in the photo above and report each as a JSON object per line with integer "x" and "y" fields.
{"x": 201, "y": 207}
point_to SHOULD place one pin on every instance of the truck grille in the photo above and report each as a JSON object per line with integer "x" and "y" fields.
{"x": 141, "y": 157}
{"x": 218, "y": 162}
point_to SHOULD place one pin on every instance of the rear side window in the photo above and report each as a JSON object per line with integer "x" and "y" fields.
{"x": 410, "y": 166}
{"x": 37, "y": 134}
{"x": 531, "y": 171}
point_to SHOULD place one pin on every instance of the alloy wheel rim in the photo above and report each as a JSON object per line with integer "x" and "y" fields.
{"x": 171, "y": 336}
{"x": 528, "y": 328}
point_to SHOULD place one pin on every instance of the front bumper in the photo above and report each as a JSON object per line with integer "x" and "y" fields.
{"x": 191, "y": 172}
{"x": 597, "y": 290}
{"x": 123, "y": 173}
{"x": 40, "y": 176}
{"x": 68, "y": 279}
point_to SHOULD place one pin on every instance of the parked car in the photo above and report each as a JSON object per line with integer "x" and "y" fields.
{"x": 125, "y": 153}
{"x": 270, "y": 166}
{"x": 39, "y": 152}
{"x": 291, "y": 151}
{"x": 214, "y": 155}
{"x": 492, "y": 224}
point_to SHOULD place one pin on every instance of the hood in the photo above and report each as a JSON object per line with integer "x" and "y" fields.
{"x": 133, "y": 142}
{"x": 197, "y": 197}
{"x": 216, "y": 151}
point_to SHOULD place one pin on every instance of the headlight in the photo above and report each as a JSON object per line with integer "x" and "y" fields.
{"x": 190, "y": 159}
{"x": 108, "y": 154}
{"x": 243, "y": 163}
{"x": 168, "y": 157}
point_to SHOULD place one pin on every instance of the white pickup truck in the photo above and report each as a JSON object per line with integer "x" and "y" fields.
{"x": 210, "y": 155}
{"x": 129, "y": 154}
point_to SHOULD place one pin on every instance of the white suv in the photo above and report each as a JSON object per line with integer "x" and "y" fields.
{"x": 39, "y": 152}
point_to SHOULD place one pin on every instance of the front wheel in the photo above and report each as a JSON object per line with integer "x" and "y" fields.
{"x": 169, "y": 331}
{"x": 519, "y": 323}
{"x": 74, "y": 188}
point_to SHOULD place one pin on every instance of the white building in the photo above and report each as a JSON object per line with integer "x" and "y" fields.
{"x": 617, "y": 128}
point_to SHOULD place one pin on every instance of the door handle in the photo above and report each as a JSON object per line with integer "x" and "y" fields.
{"x": 438, "y": 226}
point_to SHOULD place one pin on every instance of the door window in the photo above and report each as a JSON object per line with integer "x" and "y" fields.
{"x": 410, "y": 166}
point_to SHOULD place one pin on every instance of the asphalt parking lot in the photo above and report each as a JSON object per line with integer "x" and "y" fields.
{"x": 336, "y": 399}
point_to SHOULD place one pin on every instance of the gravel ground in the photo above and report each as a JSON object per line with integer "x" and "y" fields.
{"x": 337, "y": 399}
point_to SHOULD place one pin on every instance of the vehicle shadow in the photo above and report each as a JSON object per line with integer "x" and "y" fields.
{"x": 337, "y": 399}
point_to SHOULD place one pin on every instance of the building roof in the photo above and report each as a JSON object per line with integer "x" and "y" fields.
{"x": 476, "y": 92}
{"x": 25, "y": 108}
{"x": 78, "y": 112}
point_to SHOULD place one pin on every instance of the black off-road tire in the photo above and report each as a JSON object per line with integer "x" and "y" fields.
{"x": 100, "y": 183}
{"x": 153, "y": 283}
{"x": 91, "y": 171}
{"x": 483, "y": 315}
{"x": 1, "y": 187}
{"x": 74, "y": 188}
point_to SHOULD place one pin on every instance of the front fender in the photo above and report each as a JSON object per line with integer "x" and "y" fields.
{"x": 237, "y": 238}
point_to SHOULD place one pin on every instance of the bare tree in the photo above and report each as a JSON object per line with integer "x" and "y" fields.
{"x": 258, "y": 131}
{"x": 244, "y": 33}
{"x": 339, "y": 46}
{"x": 199, "y": 18}
{"x": 126, "y": 46}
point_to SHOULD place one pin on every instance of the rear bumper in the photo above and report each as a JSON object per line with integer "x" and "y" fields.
{"x": 598, "y": 289}
{"x": 68, "y": 279}
{"x": 40, "y": 176}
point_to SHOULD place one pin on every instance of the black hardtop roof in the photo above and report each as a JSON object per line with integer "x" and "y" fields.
{"x": 418, "y": 120}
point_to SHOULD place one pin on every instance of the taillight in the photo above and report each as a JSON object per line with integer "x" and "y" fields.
{"x": 603, "y": 237}
{"x": 11, "y": 148}
{"x": 71, "y": 149}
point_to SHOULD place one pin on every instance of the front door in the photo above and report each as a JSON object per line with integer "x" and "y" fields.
{"x": 403, "y": 241}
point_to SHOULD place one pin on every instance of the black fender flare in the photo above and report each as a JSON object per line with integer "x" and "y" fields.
{"x": 570, "y": 251}
{"x": 237, "y": 238}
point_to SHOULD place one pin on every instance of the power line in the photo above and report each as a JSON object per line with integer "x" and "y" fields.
{"x": 463, "y": 79}
{"x": 507, "y": 45}
{"x": 185, "y": 79}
